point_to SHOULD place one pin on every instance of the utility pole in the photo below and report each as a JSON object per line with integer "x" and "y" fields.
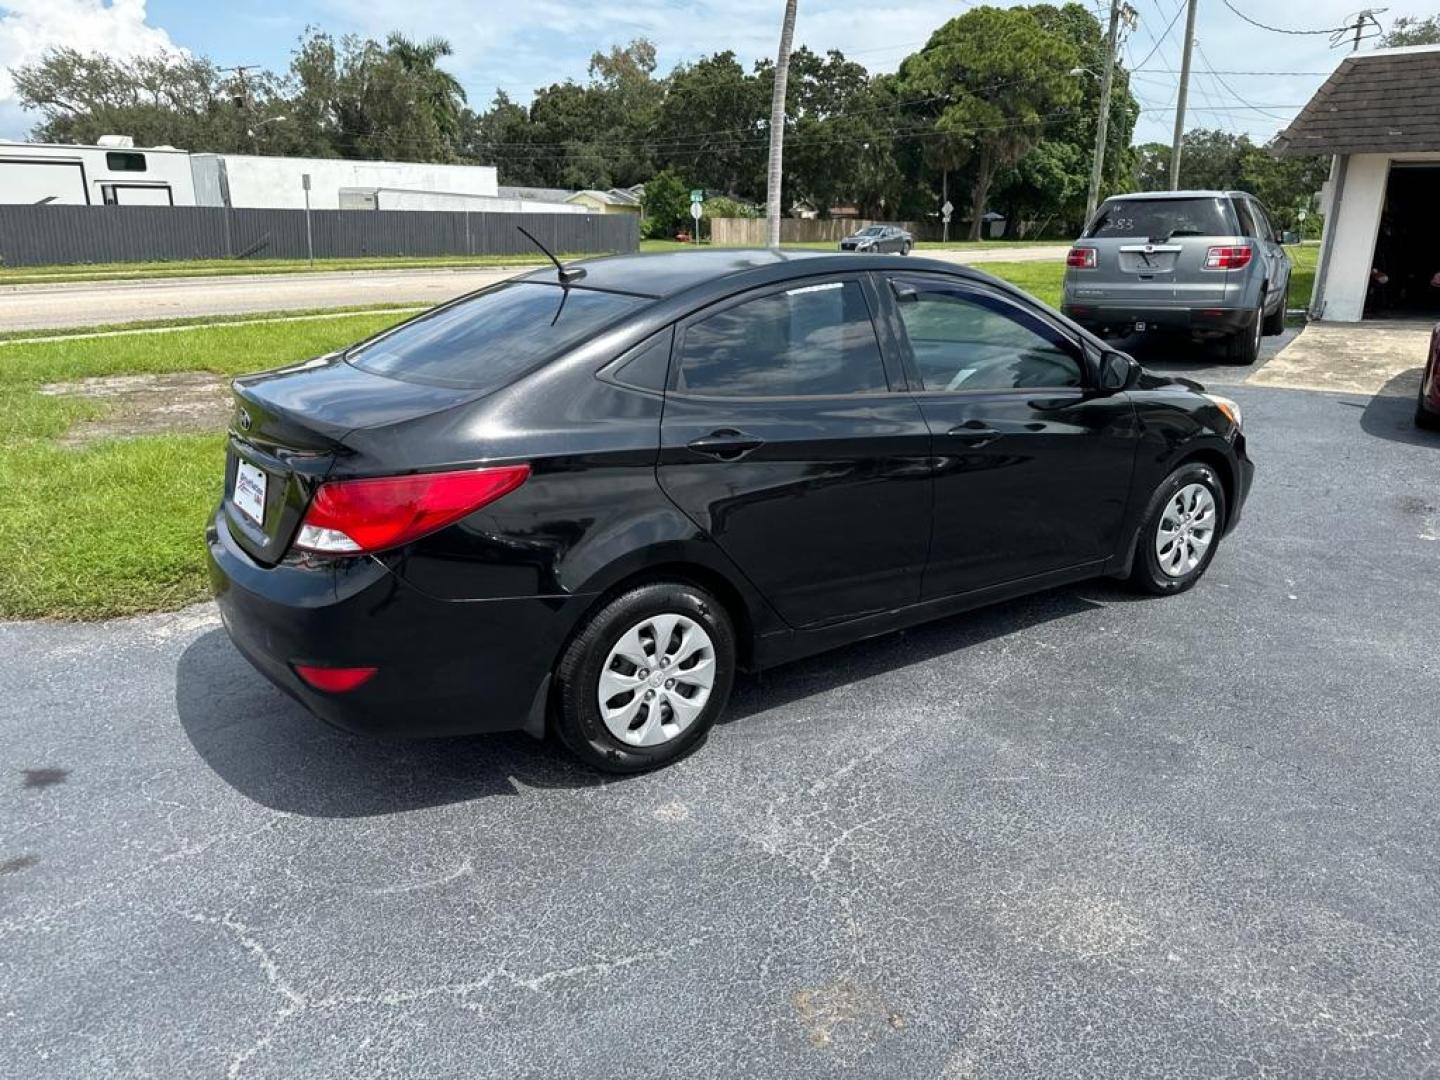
{"x": 777, "y": 127}
{"x": 1117, "y": 9}
{"x": 1178, "y": 141}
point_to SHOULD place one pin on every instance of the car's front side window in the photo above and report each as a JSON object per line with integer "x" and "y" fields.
{"x": 808, "y": 341}
{"x": 972, "y": 341}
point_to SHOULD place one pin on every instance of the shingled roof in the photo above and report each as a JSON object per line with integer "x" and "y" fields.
{"x": 1385, "y": 101}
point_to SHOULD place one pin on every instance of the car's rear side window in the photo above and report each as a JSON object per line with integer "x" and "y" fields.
{"x": 809, "y": 341}
{"x": 1155, "y": 219}
{"x": 481, "y": 342}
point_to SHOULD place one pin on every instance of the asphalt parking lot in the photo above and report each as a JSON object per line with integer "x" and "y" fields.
{"x": 1077, "y": 835}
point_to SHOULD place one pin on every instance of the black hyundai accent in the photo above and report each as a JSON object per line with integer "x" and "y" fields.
{"x": 577, "y": 502}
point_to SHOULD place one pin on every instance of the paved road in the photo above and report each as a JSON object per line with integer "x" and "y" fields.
{"x": 39, "y": 307}
{"x": 1080, "y": 835}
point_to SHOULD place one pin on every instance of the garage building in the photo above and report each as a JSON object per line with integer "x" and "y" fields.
{"x": 1378, "y": 116}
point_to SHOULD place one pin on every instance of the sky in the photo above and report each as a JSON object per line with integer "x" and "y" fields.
{"x": 1244, "y": 79}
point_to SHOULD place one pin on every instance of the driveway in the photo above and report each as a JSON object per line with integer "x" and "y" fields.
{"x": 1078, "y": 835}
{"x": 77, "y": 304}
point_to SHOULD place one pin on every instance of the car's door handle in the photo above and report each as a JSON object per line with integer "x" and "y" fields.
{"x": 726, "y": 444}
{"x": 973, "y": 433}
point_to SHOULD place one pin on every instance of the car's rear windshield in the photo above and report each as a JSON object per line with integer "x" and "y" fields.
{"x": 482, "y": 342}
{"x": 1156, "y": 219}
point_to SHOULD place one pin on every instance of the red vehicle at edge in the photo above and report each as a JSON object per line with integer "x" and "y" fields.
{"x": 1427, "y": 408}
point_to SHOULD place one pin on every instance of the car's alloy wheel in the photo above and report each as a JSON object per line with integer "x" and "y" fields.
{"x": 1181, "y": 530}
{"x": 645, "y": 677}
{"x": 656, "y": 680}
{"x": 1186, "y": 530}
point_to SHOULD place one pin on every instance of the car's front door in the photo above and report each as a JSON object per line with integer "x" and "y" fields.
{"x": 782, "y": 439}
{"x": 1033, "y": 464}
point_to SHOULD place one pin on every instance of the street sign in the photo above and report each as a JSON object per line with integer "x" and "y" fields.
{"x": 948, "y": 208}
{"x": 305, "y": 181}
{"x": 697, "y": 195}
{"x": 696, "y": 210}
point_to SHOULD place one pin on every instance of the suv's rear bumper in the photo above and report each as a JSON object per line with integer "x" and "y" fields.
{"x": 1118, "y": 320}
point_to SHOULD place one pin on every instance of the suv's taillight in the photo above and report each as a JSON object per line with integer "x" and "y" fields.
{"x": 1228, "y": 258}
{"x": 1081, "y": 258}
{"x": 355, "y": 517}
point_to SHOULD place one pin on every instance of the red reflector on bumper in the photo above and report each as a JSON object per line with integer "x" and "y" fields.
{"x": 335, "y": 680}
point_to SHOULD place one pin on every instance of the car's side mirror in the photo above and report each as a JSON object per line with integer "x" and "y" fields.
{"x": 1118, "y": 370}
{"x": 1289, "y": 236}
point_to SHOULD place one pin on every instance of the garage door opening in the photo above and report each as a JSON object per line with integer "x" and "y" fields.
{"x": 1405, "y": 279}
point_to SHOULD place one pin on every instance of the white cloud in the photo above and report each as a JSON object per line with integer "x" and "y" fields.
{"x": 29, "y": 27}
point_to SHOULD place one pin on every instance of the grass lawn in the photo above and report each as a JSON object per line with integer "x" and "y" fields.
{"x": 114, "y": 527}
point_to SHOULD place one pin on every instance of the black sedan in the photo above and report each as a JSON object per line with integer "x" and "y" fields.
{"x": 877, "y": 239}
{"x": 577, "y": 502}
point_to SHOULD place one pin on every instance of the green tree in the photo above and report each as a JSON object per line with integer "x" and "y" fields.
{"x": 167, "y": 99}
{"x": 994, "y": 80}
{"x": 667, "y": 205}
{"x": 711, "y": 125}
{"x": 825, "y": 128}
{"x": 439, "y": 92}
{"x": 1412, "y": 30}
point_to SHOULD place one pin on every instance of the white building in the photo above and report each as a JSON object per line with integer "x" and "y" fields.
{"x": 1378, "y": 116}
{"x": 248, "y": 180}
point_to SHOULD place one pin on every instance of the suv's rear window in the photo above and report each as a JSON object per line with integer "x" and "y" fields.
{"x": 481, "y": 342}
{"x": 1161, "y": 218}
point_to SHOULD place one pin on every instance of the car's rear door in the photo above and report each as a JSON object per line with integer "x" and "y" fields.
{"x": 1033, "y": 464}
{"x": 783, "y": 440}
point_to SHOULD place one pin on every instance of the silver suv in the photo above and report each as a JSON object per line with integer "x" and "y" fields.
{"x": 1206, "y": 263}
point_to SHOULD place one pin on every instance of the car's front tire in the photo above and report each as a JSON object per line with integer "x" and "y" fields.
{"x": 1181, "y": 531}
{"x": 646, "y": 677}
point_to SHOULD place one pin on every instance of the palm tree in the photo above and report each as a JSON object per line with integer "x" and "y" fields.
{"x": 777, "y": 126}
{"x": 441, "y": 92}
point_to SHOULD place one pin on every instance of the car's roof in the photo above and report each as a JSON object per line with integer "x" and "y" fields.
{"x": 1192, "y": 194}
{"x": 662, "y": 274}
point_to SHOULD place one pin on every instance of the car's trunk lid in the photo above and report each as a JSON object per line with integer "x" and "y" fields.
{"x": 287, "y": 432}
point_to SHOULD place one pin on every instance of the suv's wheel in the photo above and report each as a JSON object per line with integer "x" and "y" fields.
{"x": 1424, "y": 418}
{"x": 1275, "y": 324}
{"x": 1244, "y": 347}
{"x": 1181, "y": 531}
{"x": 645, "y": 678}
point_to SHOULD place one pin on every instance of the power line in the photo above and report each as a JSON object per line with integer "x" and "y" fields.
{"x": 1283, "y": 30}
{"x": 1164, "y": 34}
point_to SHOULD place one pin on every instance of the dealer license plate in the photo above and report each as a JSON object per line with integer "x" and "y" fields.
{"x": 249, "y": 494}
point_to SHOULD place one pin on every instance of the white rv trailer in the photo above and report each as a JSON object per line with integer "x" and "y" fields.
{"x": 117, "y": 174}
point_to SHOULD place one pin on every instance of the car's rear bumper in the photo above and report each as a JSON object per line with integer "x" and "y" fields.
{"x": 446, "y": 667}
{"x": 1119, "y": 320}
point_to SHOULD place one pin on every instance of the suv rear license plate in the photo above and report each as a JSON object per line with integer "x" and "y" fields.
{"x": 249, "y": 494}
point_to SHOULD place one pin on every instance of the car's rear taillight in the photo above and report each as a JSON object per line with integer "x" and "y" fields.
{"x": 355, "y": 517}
{"x": 1228, "y": 258}
{"x": 335, "y": 680}
{"x": 1081, "y": 258}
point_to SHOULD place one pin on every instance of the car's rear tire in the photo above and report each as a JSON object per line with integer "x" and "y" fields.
{"x": 666, "y": 654}
{"x": 1181, "y": 531}
{"x": 1244, "y": 347}
{"x": 1275, "y": 324}
{"x": 905, "y": 247}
